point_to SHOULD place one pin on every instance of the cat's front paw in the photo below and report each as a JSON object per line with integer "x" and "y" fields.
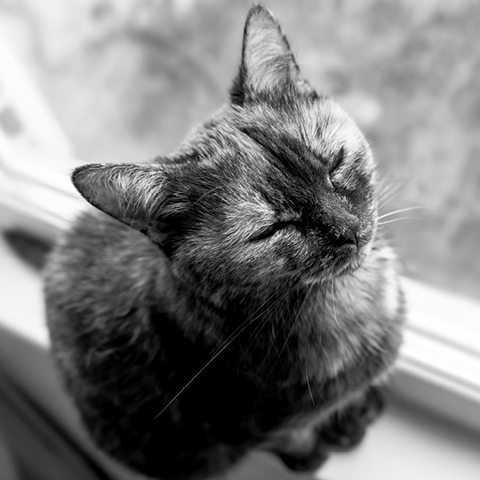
{"x": 306, "y": 462}
{"x": 301, "y": 450}
{"x": 347, "y": 429}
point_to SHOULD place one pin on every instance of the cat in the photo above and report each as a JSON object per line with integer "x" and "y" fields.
{"x": 237, "y": 294}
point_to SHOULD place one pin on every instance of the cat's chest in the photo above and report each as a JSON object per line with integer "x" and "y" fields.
{"x": 350, "y": 336}
{"x": 310, "y": 353}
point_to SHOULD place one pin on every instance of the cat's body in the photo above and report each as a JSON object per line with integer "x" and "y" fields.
{"x": 271, "y": 304}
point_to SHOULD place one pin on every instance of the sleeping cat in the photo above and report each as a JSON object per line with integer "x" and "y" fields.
{"x": 235, "y": 295}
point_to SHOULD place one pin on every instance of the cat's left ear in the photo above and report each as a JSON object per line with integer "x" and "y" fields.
{"x": 130, "y": 193}
{"x": 267, "y": 63}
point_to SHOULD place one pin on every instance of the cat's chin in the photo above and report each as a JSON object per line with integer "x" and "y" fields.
{"x": 348, "y": 259}
{"x": 332, "y": 274}
{"x": 343, "y": 265}
{"x": 349, "y": 268}
{"x": 355, "y": 261}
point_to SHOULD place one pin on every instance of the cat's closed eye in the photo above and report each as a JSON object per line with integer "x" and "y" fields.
{"x": 336, "y": 163}
{"x": 269, "y": 231}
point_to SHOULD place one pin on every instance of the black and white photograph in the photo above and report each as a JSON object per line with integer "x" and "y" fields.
{"x": 239, "y": 240}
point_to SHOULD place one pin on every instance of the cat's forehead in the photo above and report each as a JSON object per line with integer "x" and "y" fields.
{"x": 327, "y": 128}
{"x": 322, "y": 126}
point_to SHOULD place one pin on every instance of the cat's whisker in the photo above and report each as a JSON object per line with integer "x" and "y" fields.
{"x": 387, "y": 191}
{"x": 398, "y": 219}
{"x": 333, "y": 304}
{"x": 230, "y": 339}
{"x": 308, "y": 383}
{"x": 306, "y": 356}
{"x": 274, "y": 336}
{"x": 253, "y": 336}
{"x": 401, "y": 210}
{"x": 244, "y": 326}
{"x": 387, "y": 197}
{"x": 384, "y": 186}
{"x": 265, "y": 320}
{"x": 292, "y": 328}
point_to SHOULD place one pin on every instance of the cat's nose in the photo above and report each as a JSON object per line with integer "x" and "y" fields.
{"x": 350, "y": 237}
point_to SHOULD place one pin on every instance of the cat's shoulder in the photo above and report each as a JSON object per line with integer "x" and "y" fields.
{"x": 98, "y": 250}
{"x": 94, "y": 233}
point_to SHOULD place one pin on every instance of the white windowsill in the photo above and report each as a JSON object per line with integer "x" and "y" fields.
{"x": 439, "y": 365}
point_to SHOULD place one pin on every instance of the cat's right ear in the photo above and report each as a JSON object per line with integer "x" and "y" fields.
{"x": 130, "y": 193}
{"x": 267, "y": 64}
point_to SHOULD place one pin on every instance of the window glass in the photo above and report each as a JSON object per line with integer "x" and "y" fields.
{"x": 127, "y": 79}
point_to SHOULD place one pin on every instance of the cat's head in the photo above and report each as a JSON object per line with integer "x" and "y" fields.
{"x": 277, "y": 187}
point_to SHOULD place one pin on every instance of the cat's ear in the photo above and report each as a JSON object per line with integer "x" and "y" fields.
{"x": 129, "y": 193}
{"x": 267, "y": 63}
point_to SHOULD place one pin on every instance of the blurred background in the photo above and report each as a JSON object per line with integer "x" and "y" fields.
{"x": 86, "y": 81}
{"x": 125, "y": 80}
